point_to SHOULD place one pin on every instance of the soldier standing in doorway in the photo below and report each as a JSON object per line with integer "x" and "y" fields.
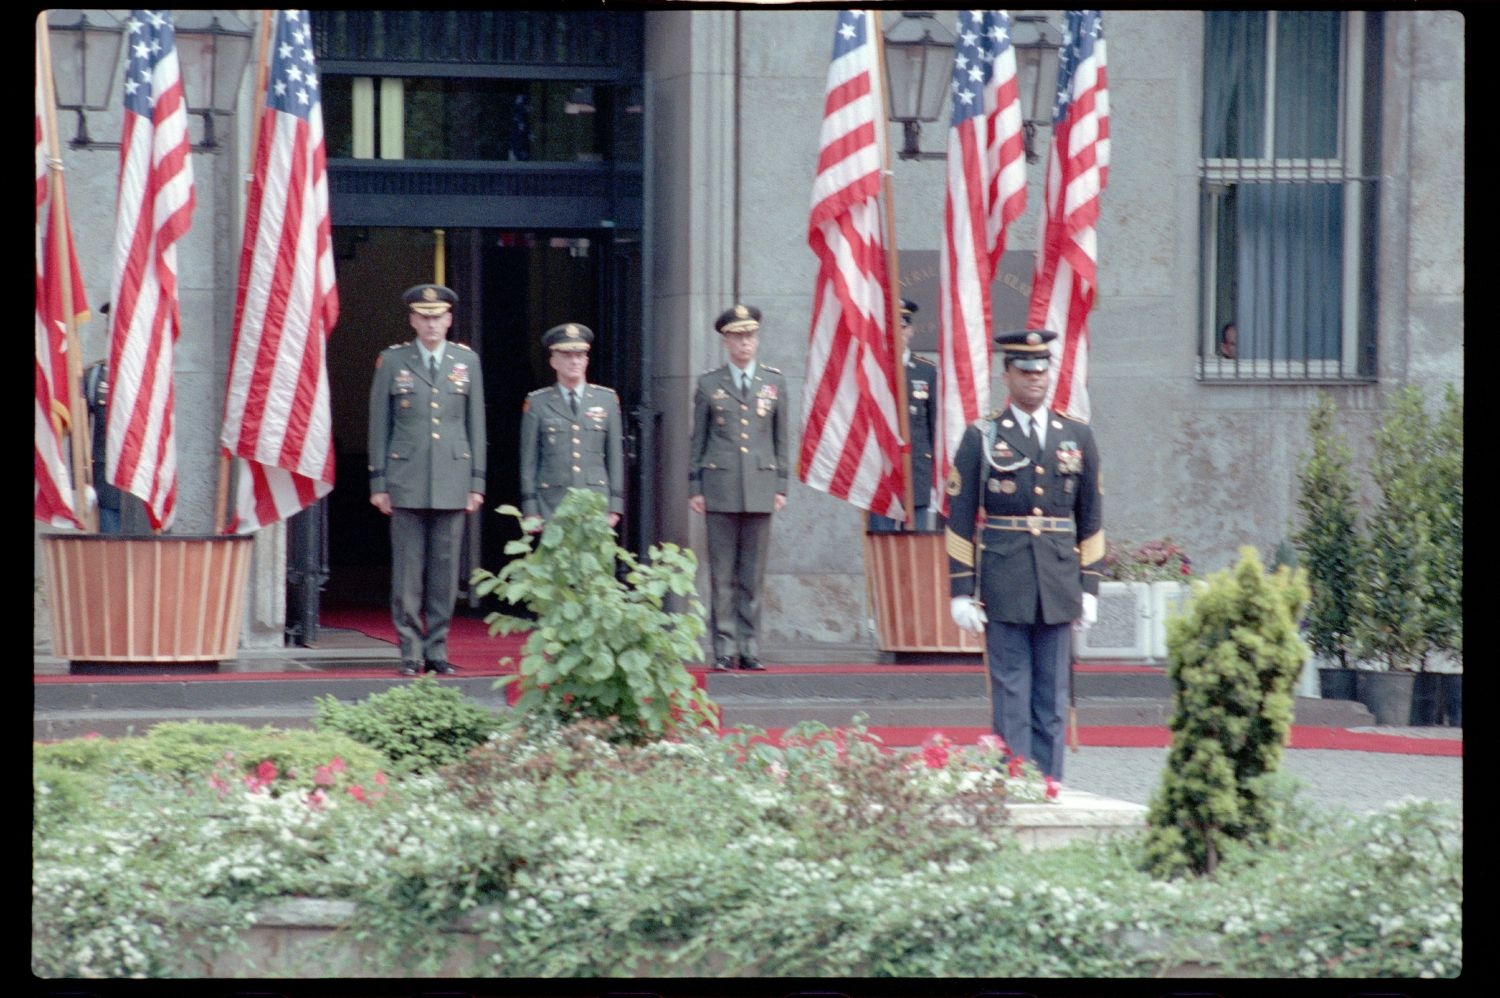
{"x": 427, "y": 467}
{"x": 571, "y": 431}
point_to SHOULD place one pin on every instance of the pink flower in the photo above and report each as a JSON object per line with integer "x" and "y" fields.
{"x": 91, "y": 735}
{"x": 266, "y": 771}
{"x": 316, "y": 800}
{"x": 357, "y": 792}
{"x": 992, "y": 743}
{"x": 338, "y": 765}
{"x": 1014, "y": 767}
{"x": 323, "y": 776}
{"x": 1052, "y": 788}
{"x": 379, "y": 778}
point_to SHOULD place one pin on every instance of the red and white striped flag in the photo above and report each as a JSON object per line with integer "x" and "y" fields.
{"x": 1062, "y": 292}
{"x": 52, "y": 500}
{"x": 851, "y": 443}
{"x": 986, "y": 192}
{"x": 276, "y": 413}
{"x": 154, "y": 210}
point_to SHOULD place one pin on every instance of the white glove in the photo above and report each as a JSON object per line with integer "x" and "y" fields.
{"x": 967, "y": 614}
{"x": 1090, "y": 612}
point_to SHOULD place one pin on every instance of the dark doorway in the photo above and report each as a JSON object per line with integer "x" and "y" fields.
{"x": 512, "y": 286}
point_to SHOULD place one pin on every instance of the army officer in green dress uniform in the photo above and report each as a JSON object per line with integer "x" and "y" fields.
{"x": 427, "y": 465}
{"x": 571, "y": 431}
{"x": 1025, "y": 535}
{"x": 737, "y": 477}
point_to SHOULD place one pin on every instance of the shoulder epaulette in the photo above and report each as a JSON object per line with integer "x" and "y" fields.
{"x": 539, "y": 391}
{"x": 462, "y": 346}
{"x": 768, "y": 367}
{"x": 603, "y": 388}
{"x": 398, "y": 346}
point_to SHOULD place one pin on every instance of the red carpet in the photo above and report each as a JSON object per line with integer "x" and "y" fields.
{"x": 475, "y": 653}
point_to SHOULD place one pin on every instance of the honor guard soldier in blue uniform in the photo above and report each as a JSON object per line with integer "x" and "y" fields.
{"x": 921, "y": 396}
{"x": 427, "y": 464}
{"x": 571, "y": 431}
{"x": 737, "y": 477}
{"x": 1025, "y": 536}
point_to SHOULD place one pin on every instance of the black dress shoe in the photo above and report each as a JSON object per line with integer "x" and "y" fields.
{"x": 441, "y": 668}
{"x": 409, "y": 668}
{"x": 723, "y": 664}
{"x": 752, "y": 665}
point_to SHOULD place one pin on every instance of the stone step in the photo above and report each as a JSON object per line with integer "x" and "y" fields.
{"x": 915, "y": 683}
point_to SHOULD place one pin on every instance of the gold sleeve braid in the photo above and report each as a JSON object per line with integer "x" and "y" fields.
{"x": 960, "y": 549}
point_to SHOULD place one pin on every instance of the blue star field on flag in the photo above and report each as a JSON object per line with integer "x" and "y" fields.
{"x": 149, "y": 36}
{"x": 982, "y": 36}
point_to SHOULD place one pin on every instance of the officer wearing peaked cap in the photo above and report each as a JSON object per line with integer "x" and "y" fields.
{"x": 737, "y": 477}
{"x": 921, "y": 397}
{"x": 427, "y": 469}
{"x": 571, "y": 431}
{"x": 1025, "y": 542}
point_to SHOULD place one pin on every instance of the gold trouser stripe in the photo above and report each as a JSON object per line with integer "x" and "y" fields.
{"x": 1092, "y": 549}
{"x": 959, "y": 549}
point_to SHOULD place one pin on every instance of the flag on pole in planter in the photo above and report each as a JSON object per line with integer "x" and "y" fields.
{"x": 1062, "y": 292}
{"x": 154, "y": 209}
{"x": 277, "y": 419}
{"x": 53, "y": 495}
{"x": 986, "y": 192}
{"x": 851, "y": 443}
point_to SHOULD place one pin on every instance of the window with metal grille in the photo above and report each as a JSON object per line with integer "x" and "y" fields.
{"x": 1288, "y": 209}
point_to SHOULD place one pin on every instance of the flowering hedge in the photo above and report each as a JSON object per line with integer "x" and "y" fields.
{"x": 572, "y": 854}
{"x": 1153, "y": 561}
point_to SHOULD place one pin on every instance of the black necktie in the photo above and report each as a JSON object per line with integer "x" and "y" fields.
{"x": 573, "y": 401}
{"x": 1035, "y": 437}
{"x": 432, "y": 369}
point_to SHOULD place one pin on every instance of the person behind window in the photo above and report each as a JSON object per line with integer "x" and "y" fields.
{"x": 1229, "y": 338}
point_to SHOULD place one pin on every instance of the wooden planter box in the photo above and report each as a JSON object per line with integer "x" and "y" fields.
{"x": 908, "y": 582}
{"x": 146, "y": 599}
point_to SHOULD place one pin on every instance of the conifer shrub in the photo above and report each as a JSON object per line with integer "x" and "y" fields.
{"x": 1233, "y": 658}
{"x": 1332, "y": 551}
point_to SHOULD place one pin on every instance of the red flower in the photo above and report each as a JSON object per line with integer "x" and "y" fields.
{"x": 266, "y": 771}
{"x": 357, "y": 792}
{"x": 323, "y": 776}
{"x": 1014, "y": 767}
{"x": 1052, "y": 788}
{"x": 935, "y": 752}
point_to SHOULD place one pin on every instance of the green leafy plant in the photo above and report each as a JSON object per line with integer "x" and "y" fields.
{"x": 1396, "y": 601}
{"x": 601, "y": 646}
{"x": 1332, "y": 552}
{"x": 1233, "y": 658}
{"x": 1445, "y": 482}
{"x": 419, "y": 725}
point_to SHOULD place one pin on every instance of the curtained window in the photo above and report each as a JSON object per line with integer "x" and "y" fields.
{"x": 1290, "y": 115}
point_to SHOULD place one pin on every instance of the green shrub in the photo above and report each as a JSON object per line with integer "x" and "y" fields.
{"x": 1396, "y": 601}
{"x": 1233, "y": 658}
{"x": 191, "y": 750}
{"x": 601, "y": 647}
{"x": 418, "y": 725}
{"x": 1332, "y": 551}
{"x": 1445, "y": 482}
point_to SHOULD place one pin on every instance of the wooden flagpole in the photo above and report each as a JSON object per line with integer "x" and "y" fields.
{"x": 267, "y": 18}
{"x": 62, "y": 253}
{"x": 893, "y": 277}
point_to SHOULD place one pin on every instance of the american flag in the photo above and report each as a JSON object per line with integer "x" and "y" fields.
{"x": 52, "y": 499}
{"x": 1077, "y": 170}
{"x": 154, "y": 210}
{"x": 851, "y": 443}
{"x": 986, "y": 192}
{"x": 276, "y": 411}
